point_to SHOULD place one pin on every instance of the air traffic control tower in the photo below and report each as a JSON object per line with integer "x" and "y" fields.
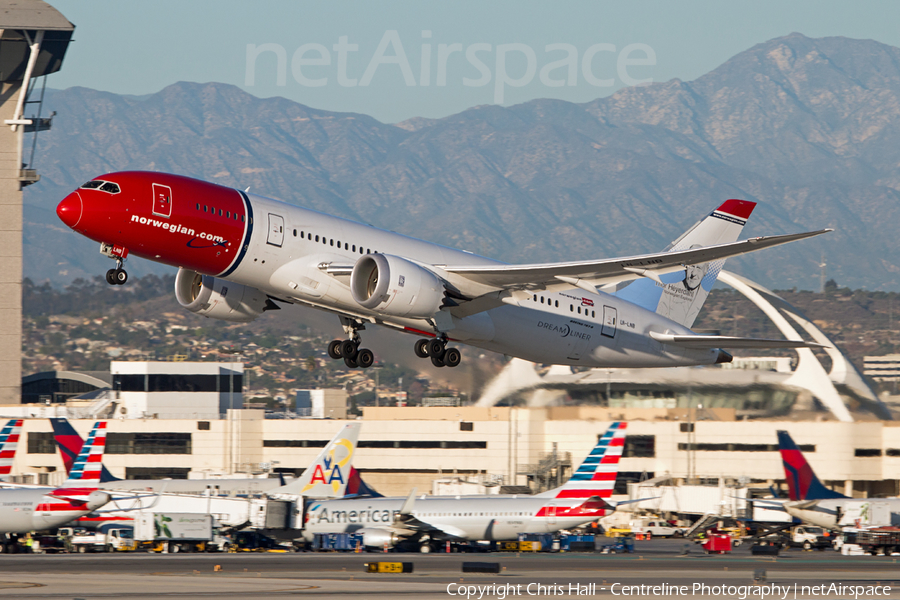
{"x": 34, "y": 37}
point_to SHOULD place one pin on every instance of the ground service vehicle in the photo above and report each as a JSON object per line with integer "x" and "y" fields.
{"x": 178, "y": 532}
{"x": 108, "y": 539}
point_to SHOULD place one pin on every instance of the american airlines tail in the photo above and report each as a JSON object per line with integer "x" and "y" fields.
{"x": 329, "y": 473}
{"x": 680, "y": 296}
{"x": 802, "y": 481}
{"x": 70, "y": 444}
{"x": 597, "y": 474}
{"x": 9, "y": 442}
{"x": 88, "y": 465}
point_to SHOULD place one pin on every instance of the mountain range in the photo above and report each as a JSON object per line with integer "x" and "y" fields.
{"x": 808, "y": 128}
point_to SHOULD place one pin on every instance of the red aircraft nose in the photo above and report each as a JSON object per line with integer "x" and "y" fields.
{"x": 69, "y": 210}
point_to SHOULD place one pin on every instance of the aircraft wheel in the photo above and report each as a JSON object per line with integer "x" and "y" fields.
{"x": 437, "y": 361}
{"x": 334, "y": 348}
{"x": 350, "y": 362}
{"x": 111, "y": 277}
{"x": 365, "y": 358}
{"x": 421, "y": 348}
{"x": 452, "y": 357}
{"x": 349, "y": 349}
{"x": 121, "y": 276}
{"x": 436, "y": 348}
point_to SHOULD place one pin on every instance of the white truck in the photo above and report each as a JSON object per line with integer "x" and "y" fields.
{"x": 656, "y": 527}
{"x": 108, "y": 539}
{"x": 178, "y": 532}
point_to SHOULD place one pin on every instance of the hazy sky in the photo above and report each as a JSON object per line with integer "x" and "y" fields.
{"x": 396, "y": 60}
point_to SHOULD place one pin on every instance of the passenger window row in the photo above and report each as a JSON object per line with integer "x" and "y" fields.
{"x": 331, "y": 242}
{"x": 222, "y": 213}
{"x": 548, "y": 300}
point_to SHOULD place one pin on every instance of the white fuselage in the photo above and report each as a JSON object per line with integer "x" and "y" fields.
{"x": 571, "y": 327}
{"x": 832, "y": 513}
{"x": 34, "y": 509}
{"x": 475, "y": 518}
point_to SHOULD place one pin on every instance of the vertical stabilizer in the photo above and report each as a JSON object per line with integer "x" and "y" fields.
{"x": 9, "y": 442}
{"x": 329, "y": 473}
{"x": 89, "y": 463}
{"x": 681, "y": 295}
{"x": 802, "y": 481}
{"x": 70, "y": 443}
{"x": 597, "y": 474}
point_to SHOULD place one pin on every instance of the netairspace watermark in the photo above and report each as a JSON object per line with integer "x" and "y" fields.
{"x": 737, "y": 592}
{"x": 314, "y": 65}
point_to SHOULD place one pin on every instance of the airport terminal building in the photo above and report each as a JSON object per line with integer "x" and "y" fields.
{"x": 407, "y": 447}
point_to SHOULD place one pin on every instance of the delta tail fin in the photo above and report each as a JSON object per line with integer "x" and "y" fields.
{"x": 329, "y": 473}
{"x": 357, "y": 488}
{"x": 9, "y": 442}
{"x": 680, "y": 296}
{"x": 597, "y": 474}
{"x": 70, "y": 443}
{"x": 802, "y": 481}
{"x": 88, "y": 465}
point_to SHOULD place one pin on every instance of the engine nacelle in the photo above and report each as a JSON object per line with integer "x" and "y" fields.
{"x": 377, "y": 538}
{"x": 395, "y": 286}
{"x": 217, "y": 298}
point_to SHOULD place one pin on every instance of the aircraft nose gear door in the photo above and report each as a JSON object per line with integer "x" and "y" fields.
{"x": 276, "y": 230}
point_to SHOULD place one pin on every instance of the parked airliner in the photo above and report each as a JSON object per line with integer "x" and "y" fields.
{"x": 9, "y": 443}
{"x": 239, "y": 255}
{"x": 810, "y": 501}
{"x": 35, "y": 508}
{"x": 429, "y": 520}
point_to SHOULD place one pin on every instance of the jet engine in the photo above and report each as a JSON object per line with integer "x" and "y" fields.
{"x": 377, "y": 538}
{"x": 219, "y": 299}
{"x": 395, "y": 286}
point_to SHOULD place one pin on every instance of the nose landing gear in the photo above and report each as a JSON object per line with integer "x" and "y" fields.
{"x": 117, "y": 276}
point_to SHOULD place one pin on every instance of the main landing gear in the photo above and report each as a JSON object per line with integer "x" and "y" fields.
{"x": 436, "y": 349}
{"x": 354, "y": 356}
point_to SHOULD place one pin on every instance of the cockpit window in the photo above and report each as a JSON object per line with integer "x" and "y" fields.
{"x": 103, "y": 186}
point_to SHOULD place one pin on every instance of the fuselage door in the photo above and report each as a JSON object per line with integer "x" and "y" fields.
{"x": 162, "y": 200}
{"x": 609, "y": 321}
{"x": 551, "y": 514}
{"x": 276, "y": 230}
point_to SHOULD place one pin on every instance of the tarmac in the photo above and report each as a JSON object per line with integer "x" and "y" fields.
{"x": 659, "y": 566}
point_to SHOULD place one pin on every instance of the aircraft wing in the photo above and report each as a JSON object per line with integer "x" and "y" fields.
{"x": 408, "y": 525}
{"x": 727, "y": 341}
{"x": 611, "y": 270}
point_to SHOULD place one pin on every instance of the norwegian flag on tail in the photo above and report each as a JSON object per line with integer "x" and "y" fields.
{"x": 9, "y": 442}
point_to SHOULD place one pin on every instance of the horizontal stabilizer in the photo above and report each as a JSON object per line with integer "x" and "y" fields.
{"x": 727, "y": 341}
